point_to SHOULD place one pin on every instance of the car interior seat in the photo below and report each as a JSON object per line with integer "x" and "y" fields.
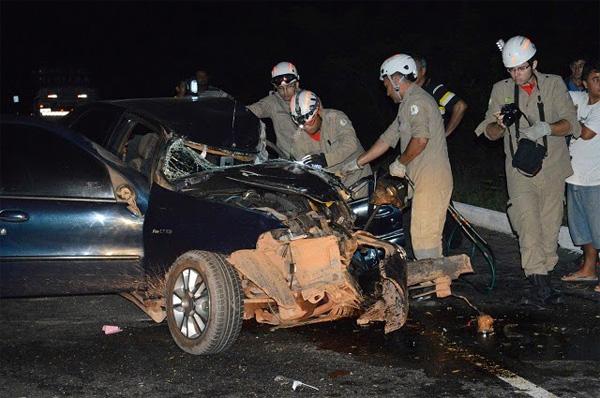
{"x": 144, "y": 151}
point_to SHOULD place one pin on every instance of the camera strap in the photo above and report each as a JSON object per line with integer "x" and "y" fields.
{"x": 540, "y": 106}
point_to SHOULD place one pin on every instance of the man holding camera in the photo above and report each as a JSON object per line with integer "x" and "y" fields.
{"x": 276, "y": 105}
{"x": 535, "y": 169}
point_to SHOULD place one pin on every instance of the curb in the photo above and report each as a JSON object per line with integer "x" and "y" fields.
{"x": 498, "y": 221}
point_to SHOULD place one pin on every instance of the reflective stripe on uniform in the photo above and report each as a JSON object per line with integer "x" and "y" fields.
{"x": 437, "y": 88}
{"x": 446, "y": 98}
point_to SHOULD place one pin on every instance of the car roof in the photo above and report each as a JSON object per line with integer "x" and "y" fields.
{"x": 213, "y": 118}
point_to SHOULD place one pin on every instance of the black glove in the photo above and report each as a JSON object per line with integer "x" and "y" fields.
{"x": 316, "y": 159}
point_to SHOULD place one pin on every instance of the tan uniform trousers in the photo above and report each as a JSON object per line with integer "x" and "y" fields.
{"x": 428, "y": 215}
{"x": 535, "y": 211}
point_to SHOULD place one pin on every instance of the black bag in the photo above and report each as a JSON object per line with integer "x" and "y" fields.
{"x": 529, "y": 157}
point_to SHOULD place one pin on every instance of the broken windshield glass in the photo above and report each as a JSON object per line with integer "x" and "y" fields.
{"x": 184, "y": 158}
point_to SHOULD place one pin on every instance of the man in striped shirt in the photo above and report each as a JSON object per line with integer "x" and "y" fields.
{"x": 452, "y": 107}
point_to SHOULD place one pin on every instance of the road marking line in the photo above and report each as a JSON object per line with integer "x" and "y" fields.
{"x": 525, "y": 386}
{"x": 493, "y": 368}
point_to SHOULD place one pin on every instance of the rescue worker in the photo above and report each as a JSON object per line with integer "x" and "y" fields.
{"x": 535, "y": 205}
{"x": 420, "y": 129}
{"x": 276, "y": 106}
{"x": 451, "y": 106}
{"x": 330, "y": 139}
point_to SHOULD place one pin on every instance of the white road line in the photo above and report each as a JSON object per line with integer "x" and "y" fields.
{"x": 525, "y": 386}
{"x": 493, "y": 368}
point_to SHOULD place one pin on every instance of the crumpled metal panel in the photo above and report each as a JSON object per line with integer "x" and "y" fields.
{"x": 309, "y": 282}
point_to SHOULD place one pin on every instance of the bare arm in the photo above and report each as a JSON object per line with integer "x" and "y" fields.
{"x": 458, "y": 111}
{"x": 495, "y": 130}
{"x": 586, "y": 133}
{"x": 379, "y": 148}
{"x": 415, "y": 147}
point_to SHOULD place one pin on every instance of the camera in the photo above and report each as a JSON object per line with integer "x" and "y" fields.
{"x": 510, "y": 114}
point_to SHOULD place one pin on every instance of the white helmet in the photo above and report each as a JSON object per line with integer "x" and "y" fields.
{"x": 399, "y": 63}
{"x": 304, "y": 106}
{"x": 516, "y": 50}
{"x": 284, "y": 73}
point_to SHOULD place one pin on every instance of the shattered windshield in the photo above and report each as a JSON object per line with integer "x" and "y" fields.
{"x": 184, "y": 158}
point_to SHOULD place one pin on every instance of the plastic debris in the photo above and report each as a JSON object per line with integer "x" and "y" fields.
{"x": 485, "y": 324}
{"x": 111, "y": 329}
{"x": 295, "y": 383}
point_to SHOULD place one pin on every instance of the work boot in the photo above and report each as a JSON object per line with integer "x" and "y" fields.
{"x": 542, "y": 292}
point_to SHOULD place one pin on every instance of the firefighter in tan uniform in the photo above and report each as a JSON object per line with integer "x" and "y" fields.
{"x": 330, "y": 140}
{"x": 276, "y": 105}
{"x": 535, "y": 206}
{"x": 420, "y": 129}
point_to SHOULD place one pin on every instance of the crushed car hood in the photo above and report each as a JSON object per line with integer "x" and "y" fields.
{"x": 276, "y": 175}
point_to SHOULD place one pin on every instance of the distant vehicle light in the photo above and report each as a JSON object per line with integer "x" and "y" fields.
{"x": 52, "y": 95}
{"x": 81, "y": 95}
{"x": 50, "y": 112}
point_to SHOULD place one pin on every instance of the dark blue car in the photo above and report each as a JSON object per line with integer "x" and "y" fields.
{"x": 174, "y": 205}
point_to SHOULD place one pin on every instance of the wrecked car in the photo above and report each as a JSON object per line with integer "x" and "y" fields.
{"x": 185, "y": 217}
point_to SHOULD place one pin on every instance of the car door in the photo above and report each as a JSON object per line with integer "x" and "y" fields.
{"x": 62, "y": 230}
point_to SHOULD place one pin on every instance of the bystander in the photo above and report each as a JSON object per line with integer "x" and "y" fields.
{"x": 583, "y": 187}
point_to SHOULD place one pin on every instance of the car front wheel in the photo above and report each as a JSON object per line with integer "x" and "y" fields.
{"x": 204, "y": 303}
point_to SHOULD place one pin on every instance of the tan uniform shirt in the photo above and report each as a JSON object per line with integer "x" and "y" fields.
{"x": 278, "y": 110}
{"x": 419, "y": 116}
{"x": 338, "y": 142}
{"x": 558, "y": 105}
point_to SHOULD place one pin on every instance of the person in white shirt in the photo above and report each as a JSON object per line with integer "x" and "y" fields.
{"x": 583, "y": 187}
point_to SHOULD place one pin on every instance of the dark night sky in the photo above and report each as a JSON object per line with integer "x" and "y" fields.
{"x": 141, "y": 49}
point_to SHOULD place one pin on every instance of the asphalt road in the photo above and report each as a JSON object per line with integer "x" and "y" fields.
{"x": 55, "y": 347}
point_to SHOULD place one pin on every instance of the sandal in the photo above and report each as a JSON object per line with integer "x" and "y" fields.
{"x": 574, "y": 277}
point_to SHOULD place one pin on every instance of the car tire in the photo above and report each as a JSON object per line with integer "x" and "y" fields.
{"x": 204, "y": 303}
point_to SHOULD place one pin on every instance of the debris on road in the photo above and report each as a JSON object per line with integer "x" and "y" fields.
{"x": 295, "y": 383}
{"x": 485, "y": 324}
{"x": 111, "y": 329}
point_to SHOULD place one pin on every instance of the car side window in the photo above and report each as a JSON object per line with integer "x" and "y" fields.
{"x": 96, "y": 124}
{"x": 37, "y": 162}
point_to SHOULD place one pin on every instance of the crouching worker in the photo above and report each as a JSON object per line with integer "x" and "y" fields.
{"x": 424, "y": 159}
{"x": 329, "y": 140}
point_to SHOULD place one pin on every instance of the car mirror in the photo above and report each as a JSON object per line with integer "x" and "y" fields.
{"x": 126, "y": 194}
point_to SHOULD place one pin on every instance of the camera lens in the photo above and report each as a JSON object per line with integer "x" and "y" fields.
{"x": 510, "y": 113}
